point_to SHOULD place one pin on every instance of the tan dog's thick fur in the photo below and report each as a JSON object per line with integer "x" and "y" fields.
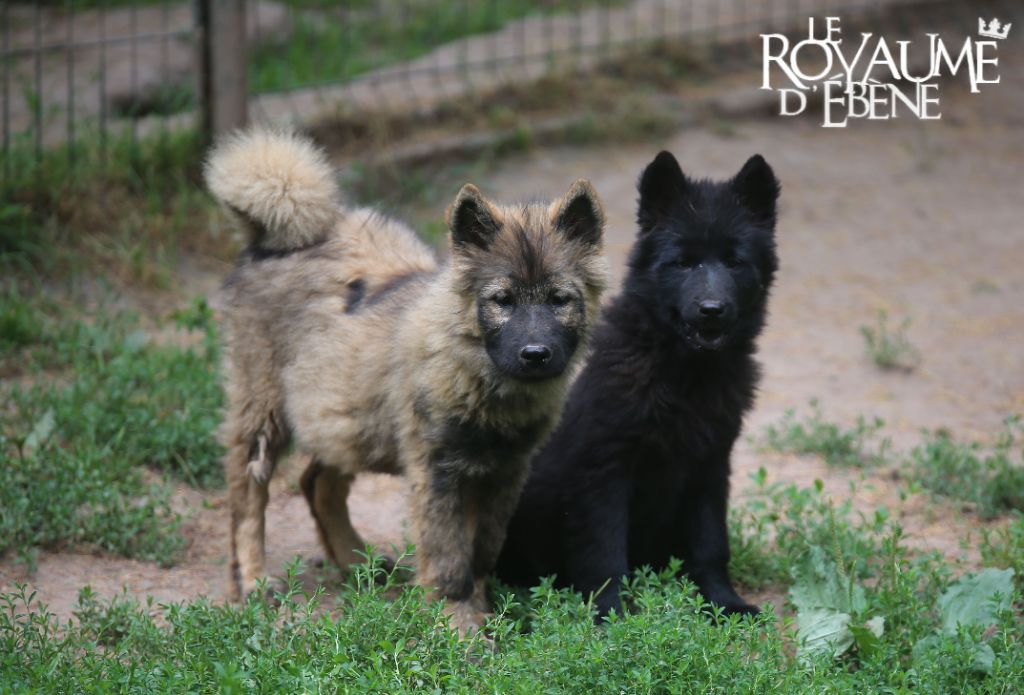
{"x": 345, "y": 335}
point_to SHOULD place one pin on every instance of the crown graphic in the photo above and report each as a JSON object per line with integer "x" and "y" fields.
{"x": 995, "y": 30}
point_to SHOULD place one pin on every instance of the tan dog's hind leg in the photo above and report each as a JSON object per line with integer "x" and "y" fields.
{"x": 248, "y": 466}
{"x": 248, "y": 498}
{"x": 326, "y": 490}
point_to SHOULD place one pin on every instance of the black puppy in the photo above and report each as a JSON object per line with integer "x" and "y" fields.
{"x": 637, "y": 471}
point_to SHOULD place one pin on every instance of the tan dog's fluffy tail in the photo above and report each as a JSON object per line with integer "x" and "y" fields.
{"x": 278, "y": 184}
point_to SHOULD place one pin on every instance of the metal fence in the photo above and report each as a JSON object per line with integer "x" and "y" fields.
{"x": 78, "y": 73}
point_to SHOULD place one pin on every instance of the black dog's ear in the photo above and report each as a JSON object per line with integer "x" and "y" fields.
{"x": 661, "y": 184}
{"x": 758, "y": 188}
{"x": 579, "y": 214}
{"x": 471, "y": 219}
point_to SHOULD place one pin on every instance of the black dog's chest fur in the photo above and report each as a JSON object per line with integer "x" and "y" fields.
{"x": 643, "y": 421}
{"x": 685, "y": 438}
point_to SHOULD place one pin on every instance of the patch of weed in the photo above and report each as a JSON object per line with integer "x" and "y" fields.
{"x": 387, "y": 638}
{"x": 114, "y": 206}
{"x": 100, "y": 405}
{"x": 852, "y": 448}
{"x": 19, "y": 322}
{"x": 987, "y": 477}
{"x": 777, "y": 522}
{"x": 1005, "y": 547}
{"x": 889, "y": 347}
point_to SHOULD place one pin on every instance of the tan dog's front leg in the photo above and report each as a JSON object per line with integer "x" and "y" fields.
{"x": 443, "y": 528}
{"x": 497, "y": 496}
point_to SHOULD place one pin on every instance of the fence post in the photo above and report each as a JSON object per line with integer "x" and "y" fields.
{"x": 223, "y": 85}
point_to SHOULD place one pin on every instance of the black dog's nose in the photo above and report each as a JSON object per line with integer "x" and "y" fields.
{"x": 534, "y": 355}
{"x": 712, "y": 308}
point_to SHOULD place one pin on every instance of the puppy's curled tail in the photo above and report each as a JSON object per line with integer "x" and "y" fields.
{"x": 278, "y": 184}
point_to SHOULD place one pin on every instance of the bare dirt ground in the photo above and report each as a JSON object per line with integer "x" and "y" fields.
{"x": 918, "y": 219}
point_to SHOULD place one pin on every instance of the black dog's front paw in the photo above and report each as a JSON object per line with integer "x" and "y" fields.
{"x": 728, "y": 603}
{"x": 740, "y": 608}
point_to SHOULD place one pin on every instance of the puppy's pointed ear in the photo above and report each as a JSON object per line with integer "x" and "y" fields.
{"x": 472, "y": 221}
{"x": 579, "y": 215}
{"x": 757, "y": 188}
{"x": 661, "y": 185}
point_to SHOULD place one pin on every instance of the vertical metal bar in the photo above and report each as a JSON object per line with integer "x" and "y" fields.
{"x": 69, "y": 54}
{"x": 407, "y": 77}
{"x": 606, "y": 27}
{"x": 202, "y": 12}
{"x": 375, "y": 82}
{"x": 133, "y": 53}
{"x": 634, "y": 25}
{"x": 435, "y": 66}
{"x": 318, "y": 63}
{"x": 524, "y": 45}
{"x": 659, "y": 27}
{"x": 549, "y": 38}
{"x": 577, "y": 39}
{"x": 492, "y": 53}
{"x": 225, "y": 87}
{"x": 164, "y": 77}
{"x": 289, "y": 10}
{"x": 103, "y": 80}
{"x": 345, "y": 17}
{"x": 460, "y": 36}
{"x": 7, "y": 90}
{"x": 38, "y": 56}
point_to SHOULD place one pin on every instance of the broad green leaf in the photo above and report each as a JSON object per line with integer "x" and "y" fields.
{"x": 971, "y": 600}
{"x": 983, "y": 658}
{"x": 923, "y": 647}
{"x": 823, "y": 630}
{"x": 135, "y": 341}
{"x": 819, "y": 584}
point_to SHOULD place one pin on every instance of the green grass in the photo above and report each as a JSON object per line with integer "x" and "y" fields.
{"x": 93, "y": 403}
{"x": 1005, "y": 547}
{"x": 148, "y": 166}
{"x": 777, "y": 522}
{"x": 888, "y": 347}
{"x": 126, "y": 212}
{"x": 338, "y": 47}
{"x": 857, "y": 447}
{"x": 986, "y": 477}
{"x": 386, "y": 638}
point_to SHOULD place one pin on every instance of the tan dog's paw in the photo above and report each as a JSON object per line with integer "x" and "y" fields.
{"x": 465, "y": 617}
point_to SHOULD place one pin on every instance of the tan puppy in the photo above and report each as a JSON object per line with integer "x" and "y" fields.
{"x": 345, "y": 335}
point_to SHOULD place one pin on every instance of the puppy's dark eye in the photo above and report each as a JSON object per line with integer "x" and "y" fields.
{"x": 560, "y": 298}
{"x": 687, "y": 260}
{"x": 731, "y": 260}
{"x": 503, "y": 299}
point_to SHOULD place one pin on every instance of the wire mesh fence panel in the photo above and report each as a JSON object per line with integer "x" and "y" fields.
{"x": 395, "y": 54}
{"x": 79, "y": 75}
